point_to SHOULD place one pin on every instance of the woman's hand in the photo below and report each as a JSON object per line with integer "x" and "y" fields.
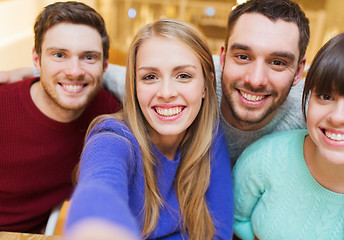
{"x": 97, "y": 229}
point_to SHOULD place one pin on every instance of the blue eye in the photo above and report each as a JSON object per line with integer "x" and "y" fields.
{"x": 243, "y": 57}
{"x": 278, "y": 63}
{"x": 90, "y": 57}
{"x": 59, "y": 55}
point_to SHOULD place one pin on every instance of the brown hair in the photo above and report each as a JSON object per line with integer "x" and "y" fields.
{"x": 326, "y": 74}
{"x": 69, "y": 12}
{"x": 274, "y": 10}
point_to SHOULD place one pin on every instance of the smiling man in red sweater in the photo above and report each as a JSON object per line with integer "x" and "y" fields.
{"x": 44, "y": 120}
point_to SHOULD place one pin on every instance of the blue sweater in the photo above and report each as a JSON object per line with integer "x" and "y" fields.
{"x": 111, "y": 184}
{"x": 276, "y": 196}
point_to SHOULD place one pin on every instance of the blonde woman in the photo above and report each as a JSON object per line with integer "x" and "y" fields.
{"x": 160, "y": 168}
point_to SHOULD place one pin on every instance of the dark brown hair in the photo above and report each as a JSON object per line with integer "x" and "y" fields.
{"x": 285, "y": 10}
{"x": 326, "y": 74}
{"x": 69, "y": 12}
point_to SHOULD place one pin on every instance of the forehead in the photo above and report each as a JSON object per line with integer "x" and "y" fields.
{"x": 162, "y": 51}
{"x": 72, "y": 37}
{"x": 261, "y": 34}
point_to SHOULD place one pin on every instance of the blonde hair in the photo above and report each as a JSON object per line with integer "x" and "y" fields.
{"x": 193, "y": 174}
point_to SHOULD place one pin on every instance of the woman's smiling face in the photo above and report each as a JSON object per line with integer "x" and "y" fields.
{"x": 169, "y": 87}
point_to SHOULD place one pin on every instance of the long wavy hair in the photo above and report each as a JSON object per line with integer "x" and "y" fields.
{"x": 193, "y": 174}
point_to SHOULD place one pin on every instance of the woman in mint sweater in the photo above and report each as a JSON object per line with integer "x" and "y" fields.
{"x": 160, "y": 169}
{"x": 290, "y": 185}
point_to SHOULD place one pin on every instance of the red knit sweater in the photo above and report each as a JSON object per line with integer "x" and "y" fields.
{"x": 38, "y": 156}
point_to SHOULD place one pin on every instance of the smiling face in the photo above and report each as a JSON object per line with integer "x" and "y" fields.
{"x": 170, "y": 87}
{"x": 71, "y": 67}
{"x": 325, "y": 123}
{"x": 258, "y": 70}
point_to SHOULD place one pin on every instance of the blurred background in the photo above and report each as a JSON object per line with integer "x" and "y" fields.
{"x": 125, "y": 17}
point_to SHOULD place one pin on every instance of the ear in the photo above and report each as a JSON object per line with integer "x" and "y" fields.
{"x": 299, "y": 71}
{"x": 222, "y": 56}
{"x": 106, "y": 64}
{"x": 212, "y": 79}
{"x": 36, "y": 60}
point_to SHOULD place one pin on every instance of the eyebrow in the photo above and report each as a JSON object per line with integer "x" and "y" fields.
{"x": 284, "y": 54}
{"x": 64, "y": 50}
{"x": 174, "y": 69}
{"x": 239, "y": 46}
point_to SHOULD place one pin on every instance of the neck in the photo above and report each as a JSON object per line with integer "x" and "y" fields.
{"x": 327, "y": 174}
{"x": 50, "y": 108}
{"x": 167, "y": 145}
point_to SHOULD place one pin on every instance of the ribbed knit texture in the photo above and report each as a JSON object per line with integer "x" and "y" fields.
{"x": 276, "y": 196}
{"x": 111, "y": 184}
{"x": 38, "y": 156}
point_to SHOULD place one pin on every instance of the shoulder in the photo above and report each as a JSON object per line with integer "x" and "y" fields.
{"x": 290, "y": 114}
{"x": 111, "y": 129}
{"x": 103, "y": 103}
{"x": 21, "y": 85}
{"x": 276, "y": 140}
{"x": 272, "y": 147}
{"x": 108, "y": 124}
{"x": 107, "y": 96}
{"x": 14, "y": 94}
{"x": 110, "y": 133}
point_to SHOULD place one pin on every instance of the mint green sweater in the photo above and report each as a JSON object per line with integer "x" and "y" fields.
{"x": 276, "y": 196}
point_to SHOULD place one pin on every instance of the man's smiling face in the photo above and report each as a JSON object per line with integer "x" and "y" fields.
{"x": 258, "y": 69}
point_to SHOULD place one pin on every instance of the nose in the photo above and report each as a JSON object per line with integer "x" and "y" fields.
{"x": 167, "y": 89}
{"x": 337, "y": 115}
{"x": 74, "y": 70}
{"x": 256, "y": 75}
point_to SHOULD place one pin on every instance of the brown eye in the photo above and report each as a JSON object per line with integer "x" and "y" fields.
{"x": 325, "y": 97}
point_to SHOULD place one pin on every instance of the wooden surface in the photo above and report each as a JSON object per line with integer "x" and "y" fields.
{"x": 26, "y": 236}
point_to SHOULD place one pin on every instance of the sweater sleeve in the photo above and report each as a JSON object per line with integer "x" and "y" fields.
{"x": 220, "y": 192}
{"x": 114, "y": 80}
{"x": 102, "y": 190}
{"x": 249, "y": 185}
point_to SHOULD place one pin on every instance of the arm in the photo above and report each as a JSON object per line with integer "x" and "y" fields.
{"x": 114, "y": 80}
{"x": 102, "y": 190}
{"x": 15, "y": 75}
{"x": 249, "y": 184}
{"x": 220, "y": 192}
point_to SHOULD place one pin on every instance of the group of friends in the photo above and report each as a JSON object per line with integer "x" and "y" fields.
{"x": 192, "y": 146}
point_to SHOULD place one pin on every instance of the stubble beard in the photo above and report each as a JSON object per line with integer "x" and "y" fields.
{"x": 249, "y": 117}
{"x": 58, "y": 101}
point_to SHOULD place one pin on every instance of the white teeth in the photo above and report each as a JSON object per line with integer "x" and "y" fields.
{"x": 168, "y": 112}
{"x": 334, "y": 136}
{"x": 70, "y": 87}
{"x": 249, "y": 97}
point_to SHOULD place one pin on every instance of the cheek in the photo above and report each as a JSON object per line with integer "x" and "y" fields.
{"x": 281, "y": 80}
{"x": 233, "y": 73}
{"x": 314, "y": 114}
{"x": 144, "y": 95}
